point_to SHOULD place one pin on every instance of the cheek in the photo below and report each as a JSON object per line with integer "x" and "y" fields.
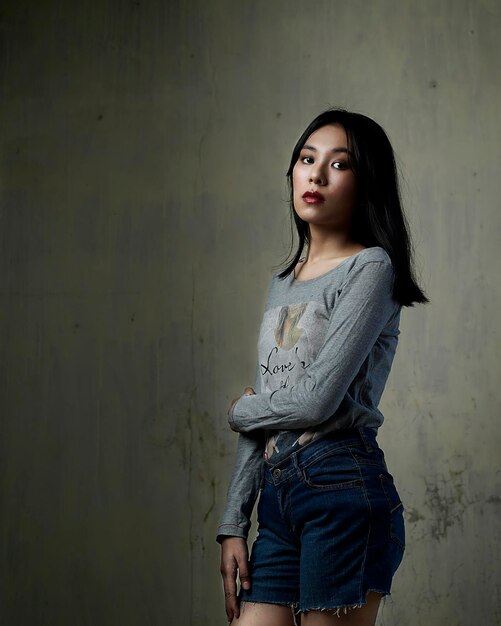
{"x": 349, "y": 191}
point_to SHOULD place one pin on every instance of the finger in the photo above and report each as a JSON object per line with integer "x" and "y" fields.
{"x": 243, "y": 572}
{"x": 245, "y": 580}
{"x": 249, "y": 391}
{"x": 229, "y": 574}
{"x": 232, "y": 608}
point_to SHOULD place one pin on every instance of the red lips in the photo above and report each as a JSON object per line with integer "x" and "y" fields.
{"x": 313, "y": 196}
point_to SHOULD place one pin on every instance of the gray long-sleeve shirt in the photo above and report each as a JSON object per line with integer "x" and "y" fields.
{"x": 325, "y": 350}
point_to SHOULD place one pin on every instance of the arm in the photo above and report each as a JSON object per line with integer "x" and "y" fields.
{"x": 244, "y": 486}
{"x": 363, "y": 306}
{"x": 233, "y": 530}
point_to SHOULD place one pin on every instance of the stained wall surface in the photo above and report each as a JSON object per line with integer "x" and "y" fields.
{"x": 144, "y": 146}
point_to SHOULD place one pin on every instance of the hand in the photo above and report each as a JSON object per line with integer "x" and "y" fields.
{"x": 234, "y": 556}
{"x": 248, "y": 391}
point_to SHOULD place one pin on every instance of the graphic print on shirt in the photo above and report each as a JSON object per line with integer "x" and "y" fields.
{"x": 287, "y": 332}
{"x": 287, "y": 347}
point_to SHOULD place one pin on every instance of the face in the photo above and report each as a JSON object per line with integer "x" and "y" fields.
{"x": 324, "y": 185}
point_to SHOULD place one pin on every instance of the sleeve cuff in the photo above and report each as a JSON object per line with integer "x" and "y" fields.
{"x": 230, "y": 530}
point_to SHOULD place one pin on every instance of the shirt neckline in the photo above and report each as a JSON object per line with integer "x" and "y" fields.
{"x": 308, "y": 281}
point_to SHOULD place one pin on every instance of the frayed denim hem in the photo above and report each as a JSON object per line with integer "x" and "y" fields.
{"x": 343, "y": 609}
{"x": 339, "y": 611}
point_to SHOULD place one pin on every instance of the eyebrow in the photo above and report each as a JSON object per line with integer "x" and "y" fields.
{"x": 335, "y": 150}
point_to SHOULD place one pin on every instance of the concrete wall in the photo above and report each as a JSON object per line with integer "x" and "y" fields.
{"x": 144, "y": 145}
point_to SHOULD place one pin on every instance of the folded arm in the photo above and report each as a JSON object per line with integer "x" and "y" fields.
{"x": 364, "y": 304}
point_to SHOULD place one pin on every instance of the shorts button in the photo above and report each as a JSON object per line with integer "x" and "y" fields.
{"x": 276, "y": 473}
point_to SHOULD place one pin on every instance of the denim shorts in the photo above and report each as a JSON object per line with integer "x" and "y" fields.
{"x": 330, "y": 526}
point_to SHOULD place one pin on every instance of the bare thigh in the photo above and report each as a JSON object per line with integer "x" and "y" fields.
{"x": 262, "y": 614}
{"x": 364, "y": 616}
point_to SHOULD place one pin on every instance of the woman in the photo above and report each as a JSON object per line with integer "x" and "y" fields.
{"x": 330, "y": 520}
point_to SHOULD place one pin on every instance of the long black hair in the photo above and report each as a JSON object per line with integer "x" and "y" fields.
{"x": 378, "y": 219}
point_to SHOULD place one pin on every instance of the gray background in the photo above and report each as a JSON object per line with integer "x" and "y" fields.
{"x": 144, "y": 146}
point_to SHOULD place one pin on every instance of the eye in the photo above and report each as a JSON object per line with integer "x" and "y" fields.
{"x": 305, "y": 160}
{"x": 340, "y": 165}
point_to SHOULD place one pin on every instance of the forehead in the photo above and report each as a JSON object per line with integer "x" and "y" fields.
{"x": 328, "y": 137}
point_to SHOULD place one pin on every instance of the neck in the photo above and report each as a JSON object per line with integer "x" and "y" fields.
{"x": 330, "y": 244}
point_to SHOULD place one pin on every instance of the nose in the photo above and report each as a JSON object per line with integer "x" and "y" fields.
{"x": 317, "y": 175}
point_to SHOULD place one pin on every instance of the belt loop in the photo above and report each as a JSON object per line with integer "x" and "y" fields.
{"x": 365, "y": 439}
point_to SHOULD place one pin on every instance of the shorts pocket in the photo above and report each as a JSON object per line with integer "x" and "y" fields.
{"x": 333, "y": 470}
{"x": 374, "y": 457}
{"x": 396, "y": 509}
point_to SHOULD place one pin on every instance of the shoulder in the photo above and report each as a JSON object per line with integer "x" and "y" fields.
{"x": 370, "y": 270}
{"x": 277, "y": 288}
{"x": 375, "y": 254}
{"x": 374, "y": 260}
